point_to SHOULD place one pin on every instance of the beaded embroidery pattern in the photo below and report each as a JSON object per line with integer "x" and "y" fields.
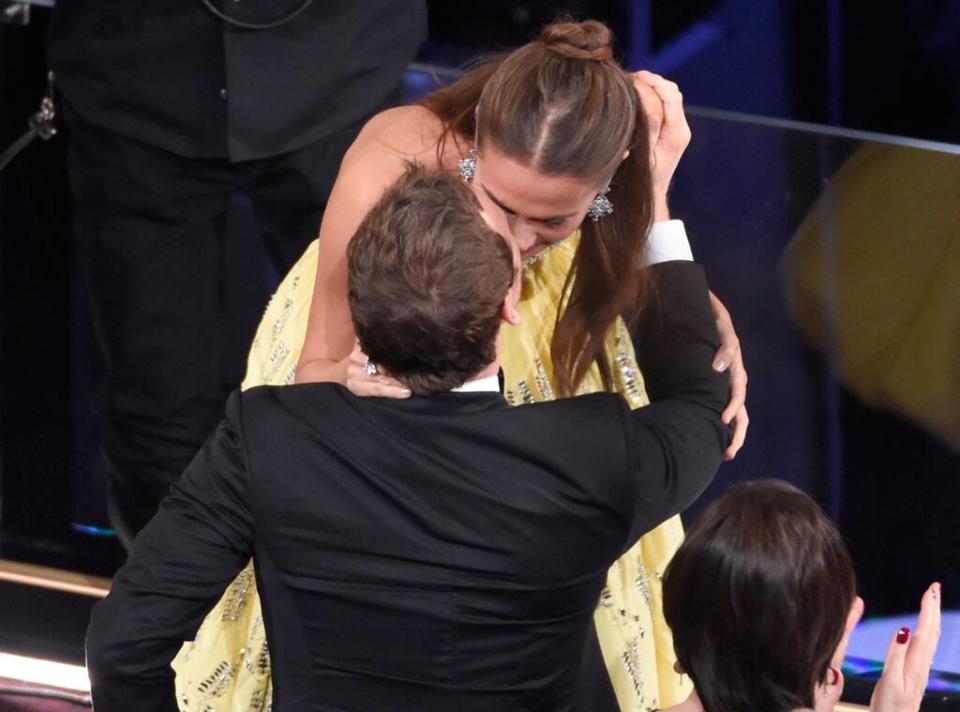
{"x": 238, "y": 678}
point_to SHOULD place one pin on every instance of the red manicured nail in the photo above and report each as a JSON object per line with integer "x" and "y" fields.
{"x": 903, "y": 635}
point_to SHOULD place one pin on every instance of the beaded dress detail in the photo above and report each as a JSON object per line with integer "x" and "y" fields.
{"x": 227, "y": 666}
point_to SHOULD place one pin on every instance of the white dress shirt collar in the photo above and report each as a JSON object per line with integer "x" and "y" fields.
{"x": 480, "y": 385}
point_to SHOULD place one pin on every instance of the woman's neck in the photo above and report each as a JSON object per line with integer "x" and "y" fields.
{"x": 691, "y": 704}
{"x": 824, "y": 703}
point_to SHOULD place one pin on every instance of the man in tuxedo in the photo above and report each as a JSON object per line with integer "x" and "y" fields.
{"x": 441, "y": 552}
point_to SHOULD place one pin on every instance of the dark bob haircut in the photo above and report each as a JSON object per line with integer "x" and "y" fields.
{"x": 758, "y": 597}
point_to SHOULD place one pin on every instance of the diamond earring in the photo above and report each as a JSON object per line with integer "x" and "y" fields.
{"x": 468, "y": 166}
{"x": 601, "y": 205}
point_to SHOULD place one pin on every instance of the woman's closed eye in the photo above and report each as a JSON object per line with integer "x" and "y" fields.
{"x": 549, "y": 223}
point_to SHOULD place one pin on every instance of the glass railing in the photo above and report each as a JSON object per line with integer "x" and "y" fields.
{"x": 838, "y": 255}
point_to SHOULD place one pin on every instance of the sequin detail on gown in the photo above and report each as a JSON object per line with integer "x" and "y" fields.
{"x": 226, "y": 667}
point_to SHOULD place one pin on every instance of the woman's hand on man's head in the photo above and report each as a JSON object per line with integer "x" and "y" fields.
{"x": 363, "y": 380}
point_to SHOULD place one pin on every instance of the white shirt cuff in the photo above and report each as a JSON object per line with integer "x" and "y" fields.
{"x": 667, "y": 241}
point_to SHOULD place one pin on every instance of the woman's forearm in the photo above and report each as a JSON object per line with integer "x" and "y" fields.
{"x": 322, "y": 370}
{"x": 661, "y": 211}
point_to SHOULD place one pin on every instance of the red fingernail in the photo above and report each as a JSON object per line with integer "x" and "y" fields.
{"x": 903, "y": 635}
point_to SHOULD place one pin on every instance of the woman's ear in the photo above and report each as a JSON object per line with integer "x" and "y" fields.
{"x": 853, "y": 617}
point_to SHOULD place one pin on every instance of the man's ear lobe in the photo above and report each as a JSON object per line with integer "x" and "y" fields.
{"x": 509, "y": 312}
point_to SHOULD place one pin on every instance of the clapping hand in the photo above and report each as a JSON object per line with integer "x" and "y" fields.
{"x": 909, "y": 657}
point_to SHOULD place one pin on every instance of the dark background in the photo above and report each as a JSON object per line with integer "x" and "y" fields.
{"x": 850, "y": 64}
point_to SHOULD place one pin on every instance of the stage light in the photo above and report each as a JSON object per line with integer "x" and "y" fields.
{"x": 44, "y": 672}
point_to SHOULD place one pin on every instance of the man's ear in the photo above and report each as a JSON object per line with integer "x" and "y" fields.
{"x": 509, "y": 311}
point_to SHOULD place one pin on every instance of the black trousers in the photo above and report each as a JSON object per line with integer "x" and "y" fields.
{"x": 151, "y": 230}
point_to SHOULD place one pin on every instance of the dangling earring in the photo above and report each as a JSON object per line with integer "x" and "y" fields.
{"x": 468, "y": 166}
{"x": 601, "y": 205}
{"x": 834, "y": 679}
{"x": 679, "y": 670}
{"x": 834, "y": 676}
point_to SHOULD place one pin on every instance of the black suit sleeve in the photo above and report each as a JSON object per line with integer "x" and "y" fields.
{"x": 675, "y": 444}
{"x": 180, "y": 565}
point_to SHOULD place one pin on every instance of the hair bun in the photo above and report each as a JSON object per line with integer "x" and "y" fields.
{"x": 579, "y": 40}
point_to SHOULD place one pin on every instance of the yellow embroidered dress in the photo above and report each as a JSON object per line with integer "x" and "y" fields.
{"x": 227, "y": 666}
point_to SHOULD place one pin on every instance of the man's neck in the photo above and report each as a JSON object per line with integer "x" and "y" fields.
{"x": 492, "y": 369}
{"x": 484, "y": 381}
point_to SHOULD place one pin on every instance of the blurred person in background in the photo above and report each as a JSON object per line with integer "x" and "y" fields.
{"x": 171, "y": 108}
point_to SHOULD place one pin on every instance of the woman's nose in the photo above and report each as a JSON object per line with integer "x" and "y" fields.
{"x": 524, "y": 233}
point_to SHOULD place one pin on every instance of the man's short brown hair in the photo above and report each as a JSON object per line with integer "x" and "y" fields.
{"x": 427, "y": 279}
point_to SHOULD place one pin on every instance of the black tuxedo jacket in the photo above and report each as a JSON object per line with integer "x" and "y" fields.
{"x": 437, "y": 553}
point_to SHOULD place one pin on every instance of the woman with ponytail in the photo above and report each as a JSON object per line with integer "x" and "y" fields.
{"x": 577, "y": 154}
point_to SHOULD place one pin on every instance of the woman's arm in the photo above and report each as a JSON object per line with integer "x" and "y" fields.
{"x": 669, "y": 135}
{"x": 374, "y": 161}
{"x": 729, "y": 358}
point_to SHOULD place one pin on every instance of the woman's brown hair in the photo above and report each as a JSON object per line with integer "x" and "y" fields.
{"x": 757, "y": 598}
{"x": 561, "y": 105}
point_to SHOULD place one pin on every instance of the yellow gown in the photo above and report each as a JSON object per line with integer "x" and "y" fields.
{"x": 227, "y": 666}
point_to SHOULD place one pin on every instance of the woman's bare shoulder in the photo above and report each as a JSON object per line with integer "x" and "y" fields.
{"x": 386, "y": 144}
{"x": 411, "y": 132}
